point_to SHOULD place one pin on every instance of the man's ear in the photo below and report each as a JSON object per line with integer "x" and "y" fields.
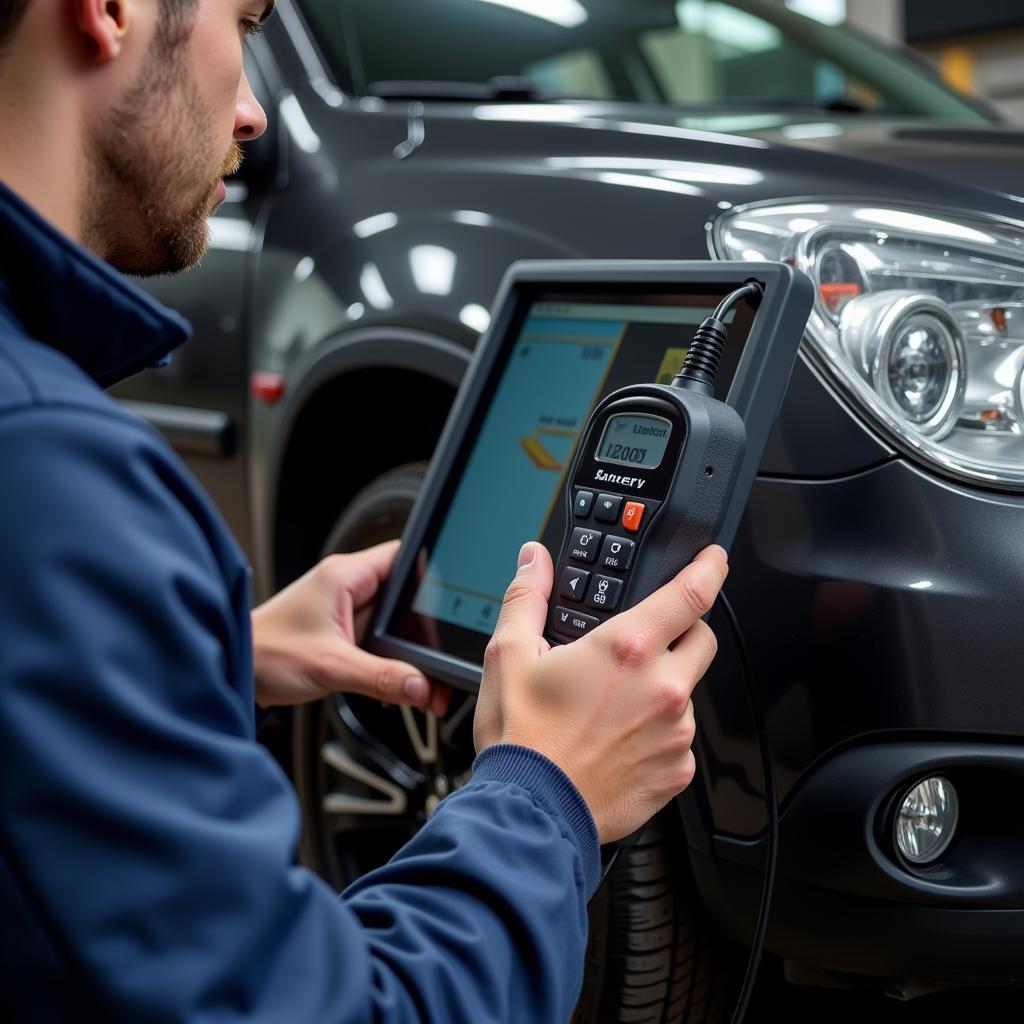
{"x": 104, "y": 25}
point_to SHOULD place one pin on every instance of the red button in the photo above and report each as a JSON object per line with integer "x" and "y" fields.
{"x": 632, "y": 514}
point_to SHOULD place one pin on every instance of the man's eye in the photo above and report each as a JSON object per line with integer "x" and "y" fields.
{"x": 252, "y": 28}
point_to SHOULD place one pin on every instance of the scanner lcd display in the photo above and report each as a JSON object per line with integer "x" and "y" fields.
{"x": 635, "y": 441}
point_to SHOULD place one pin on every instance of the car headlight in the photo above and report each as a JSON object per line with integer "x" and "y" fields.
{"x": 919, "y": 319}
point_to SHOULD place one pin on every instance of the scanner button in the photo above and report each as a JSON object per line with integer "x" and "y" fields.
{"x": 604, "y": 593}
{"x": 584, "y": 545}
{"x": 617, "y": 553}
{"x": 606, "y": 510}
{"x": 574, "y": 624}
{"x": 584, "y": 499}
{"x": 632, "y": 514}
{"x": 574, "y": 583}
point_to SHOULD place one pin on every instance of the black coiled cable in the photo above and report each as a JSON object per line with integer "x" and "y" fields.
{"x": 705, "y": 353}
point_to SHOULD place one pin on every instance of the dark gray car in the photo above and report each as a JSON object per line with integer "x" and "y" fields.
{"x": 415, "y": 151}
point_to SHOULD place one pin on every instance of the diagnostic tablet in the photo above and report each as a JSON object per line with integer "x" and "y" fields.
{"x": 564, "y": 335}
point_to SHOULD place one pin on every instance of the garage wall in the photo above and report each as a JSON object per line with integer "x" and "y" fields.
{"x": 883, "y": 19}
{"x": 979, "y": 46}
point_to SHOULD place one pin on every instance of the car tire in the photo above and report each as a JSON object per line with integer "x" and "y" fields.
{"x": 651, "y": 956}
{"x": 378, "y": 512}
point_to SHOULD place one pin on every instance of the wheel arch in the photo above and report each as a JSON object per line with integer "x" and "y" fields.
{"x": 299, "y": 493}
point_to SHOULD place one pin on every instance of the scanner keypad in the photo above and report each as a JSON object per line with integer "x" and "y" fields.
{"x": 606, "y": 531}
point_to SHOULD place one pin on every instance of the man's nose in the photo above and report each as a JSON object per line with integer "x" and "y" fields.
{"x": 250, "y": 119}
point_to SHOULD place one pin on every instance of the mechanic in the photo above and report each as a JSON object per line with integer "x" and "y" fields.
{"x": 147, "y": 841}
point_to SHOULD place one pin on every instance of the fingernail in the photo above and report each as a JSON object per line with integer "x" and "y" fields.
{"x": 725, "y": 554}
{"x": 527, "y": 553}
{"x": 416, "y": 689}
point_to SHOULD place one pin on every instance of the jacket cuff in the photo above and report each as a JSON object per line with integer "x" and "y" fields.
{"x": 550, "y": 787}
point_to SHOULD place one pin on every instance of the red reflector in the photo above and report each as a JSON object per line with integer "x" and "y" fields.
{"x": 837, "y": 295}
{"x": 266, "y": 386}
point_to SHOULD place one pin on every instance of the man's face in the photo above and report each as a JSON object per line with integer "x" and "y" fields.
{"x": 159, "y": 154}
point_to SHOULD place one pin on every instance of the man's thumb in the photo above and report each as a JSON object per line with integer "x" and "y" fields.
{"x": 525, "y": 608}
{"x": 394, "y": 682}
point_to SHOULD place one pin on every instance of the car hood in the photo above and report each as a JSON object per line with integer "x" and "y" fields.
{"x": 982, "y": 156}
{"x": 988, "y": 157}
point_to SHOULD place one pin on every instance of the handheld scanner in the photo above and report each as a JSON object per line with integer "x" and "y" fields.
{"x": 653, "y": 481}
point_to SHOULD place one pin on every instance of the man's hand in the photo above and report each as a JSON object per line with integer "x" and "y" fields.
{"x": 305, "y": 639}
{"x": 613, "y": 709}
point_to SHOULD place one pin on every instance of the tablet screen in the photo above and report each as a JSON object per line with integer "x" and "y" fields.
{"x": 562, "y": 355}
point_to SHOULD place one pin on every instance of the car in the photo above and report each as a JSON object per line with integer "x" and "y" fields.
{"x": 415, "y": 151}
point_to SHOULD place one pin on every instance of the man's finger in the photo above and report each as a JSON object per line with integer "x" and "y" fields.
{"x": 363, "y": 572}
{"x": 674, "y": 608}
{"x": 395, "y": 682}
{"x": 694, "y": 652}
{"x": 524, "y": 610}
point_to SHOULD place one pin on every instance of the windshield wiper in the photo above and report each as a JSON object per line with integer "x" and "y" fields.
{"x": 504, "y": 88}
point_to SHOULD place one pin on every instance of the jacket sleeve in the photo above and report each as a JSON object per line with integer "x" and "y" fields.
{"x": 156, "y": 840}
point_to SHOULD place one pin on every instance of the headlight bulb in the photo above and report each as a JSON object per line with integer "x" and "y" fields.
{"x": 909, "y": 347}
{"x": 922, "y": 361}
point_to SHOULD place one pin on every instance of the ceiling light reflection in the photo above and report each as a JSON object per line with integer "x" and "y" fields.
{"x": 475, "y": 218}
{"x": 642, "y": 181}
{"x": 676, "y": 170}
{"x": 475, "y": 317}
{"x": 566, "y": 13}
{"x": 375, "y": 225}
{"x": 304, "y": 268}
{"x": 433, "y": 269}
{"x": 229, "y": 233}
{"x": 298, "y": 125}
{"x": 919, "y": 223}
{"x": 374, "y": 288}
{"x": 817, "y": 130}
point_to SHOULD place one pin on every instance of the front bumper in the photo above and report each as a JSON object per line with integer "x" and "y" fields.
{"x": 844, "y": 902}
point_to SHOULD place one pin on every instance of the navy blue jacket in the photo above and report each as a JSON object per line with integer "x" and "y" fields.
{"x": 147, "y": 842}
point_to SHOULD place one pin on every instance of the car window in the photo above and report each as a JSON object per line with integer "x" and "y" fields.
{"x": 719, "y": 53}
{"x": 698, "y": 54}
{"x": 580, "y": 73}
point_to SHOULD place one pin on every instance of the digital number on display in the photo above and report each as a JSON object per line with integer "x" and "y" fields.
{"x": 635, "y": 441}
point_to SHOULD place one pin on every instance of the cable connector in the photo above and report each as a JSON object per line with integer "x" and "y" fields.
{"x": 705, "y": 353}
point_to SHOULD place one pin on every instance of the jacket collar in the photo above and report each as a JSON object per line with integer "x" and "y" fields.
{"x": 62, "y": 295}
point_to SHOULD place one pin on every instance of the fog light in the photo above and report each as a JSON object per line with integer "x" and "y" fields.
{"x": 927, "y": 820}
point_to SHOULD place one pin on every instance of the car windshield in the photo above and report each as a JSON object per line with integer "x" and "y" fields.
{"x": 702, "y": 55}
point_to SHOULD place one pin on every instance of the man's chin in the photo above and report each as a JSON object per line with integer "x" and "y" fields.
{"x": 171, "y": 255}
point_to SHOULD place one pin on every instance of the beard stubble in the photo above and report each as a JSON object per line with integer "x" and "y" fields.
{"x": 150, "y": 188}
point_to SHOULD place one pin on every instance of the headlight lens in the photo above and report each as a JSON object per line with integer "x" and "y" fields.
{"x": 919, "y": 318}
